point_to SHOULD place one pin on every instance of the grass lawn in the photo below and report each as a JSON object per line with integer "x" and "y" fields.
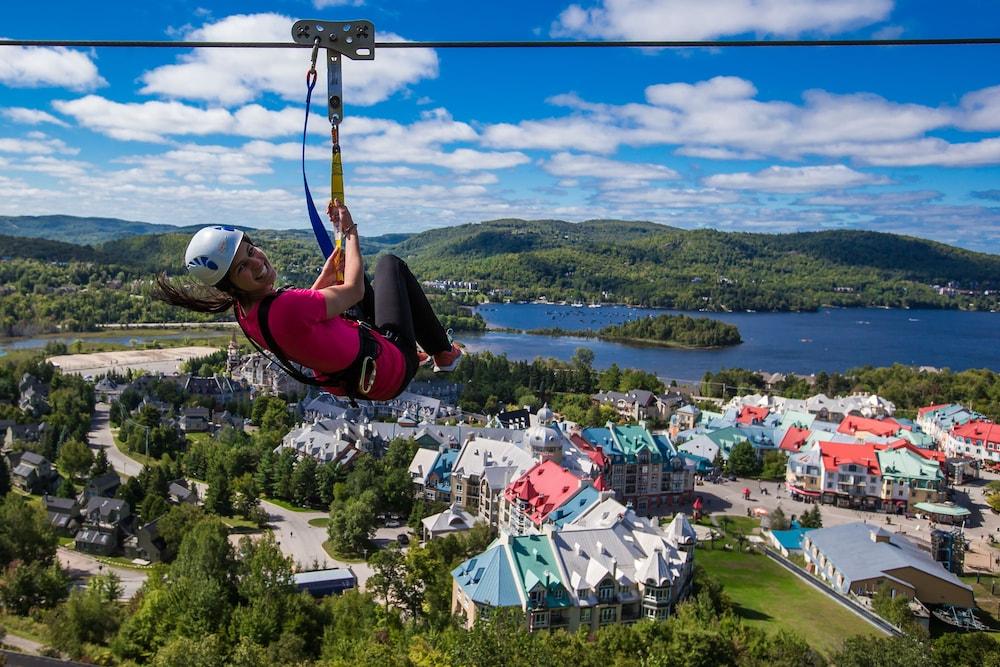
{"x": 24, "y": 626}
{"x": 986, "y": 598}
{"x": 240, "y": 526}
{"x": 288, "y": 506}
{"x": 768, "y": 596}
{"x": 328, "y": 548}
{"x": 321, "y": 522}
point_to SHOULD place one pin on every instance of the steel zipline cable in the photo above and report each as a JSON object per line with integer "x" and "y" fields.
{"x": 536, "y": 44}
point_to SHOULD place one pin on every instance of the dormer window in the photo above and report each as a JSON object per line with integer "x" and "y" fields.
{"x": 607, "y": 591}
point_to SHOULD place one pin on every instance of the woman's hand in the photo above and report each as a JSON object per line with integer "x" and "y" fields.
{"x": 341, "y": 218}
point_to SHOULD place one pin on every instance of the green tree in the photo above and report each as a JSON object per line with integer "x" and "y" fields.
{"x": 743, "y": 460}
{"x": 351, "y": 526}
{"x": 778, "y": 520}
{"x": 304, "y": 482}
{"x": 101, "y": 464}
{"x": 993, "y": 500}
{"x": 25, "y": 534}
{"x": 32, "y": 584}
{"x": 75, "y": 458}
{"x": 4, "y": 477}
{"x": 246, "y": 497}
{"x": 218, "y": 499}
{"x": 811, "y": 518}
{"x": 89, "y": 615}
{"x": 775, "y": 465}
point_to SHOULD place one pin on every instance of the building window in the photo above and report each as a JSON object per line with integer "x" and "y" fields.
{"x": 537, "y": 598}
{"x": 609, "y": 614}
{"x": 540, "y": 619}
{"x": 607, "y": 591}
{"x": 585, "y": 615}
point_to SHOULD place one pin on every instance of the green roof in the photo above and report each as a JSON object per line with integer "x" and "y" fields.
{"x": 796, "y": 418}
{"x": 901, "y": 463}
{"x": 940, "y": 508}
{"x": 535, "y": 565}
{"x": 726, "y": 438}
{"x": 632, "y": 439}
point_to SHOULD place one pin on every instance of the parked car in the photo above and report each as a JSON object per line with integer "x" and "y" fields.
{"x": 392, "y": 523}
{"x": 403, "y": 539}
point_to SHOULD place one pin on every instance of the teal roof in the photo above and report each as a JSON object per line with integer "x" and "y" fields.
{"x": 791, "y": 539}
{"x": 727, "y": 437}
{"x": 796, "y": 418}
{"x": 488, "y": 578}
{"x": 633, "y": 439}
{"x": 535, "y": 564}
{"x": 901, "y": 463}
{"x": 940, "y": 508}
{"x": 575, "y": 506}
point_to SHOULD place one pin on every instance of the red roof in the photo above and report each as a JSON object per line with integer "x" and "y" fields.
{"x": 836, "y": 454}
{"x": 932, "y": 454}
{"x": 979, "y": 430}
{"x": 879, "y": 427}
{"x": 750, "y": 414}
{"x": 794, "y": 438}
{"x": 931, "y": 408}
{"x": 595, "y": 454}
{"x": 545, "y": 487}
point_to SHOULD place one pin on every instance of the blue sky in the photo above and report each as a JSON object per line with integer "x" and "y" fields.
{"x": 903, "y": 140}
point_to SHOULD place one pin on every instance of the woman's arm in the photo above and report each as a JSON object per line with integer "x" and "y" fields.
{"x": 341, "y": 297}
{"x": 328, "y": 276}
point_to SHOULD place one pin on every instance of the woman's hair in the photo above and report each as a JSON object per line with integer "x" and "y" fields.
{"x": 215, "y": 299}
{"x": 200, "y": 298}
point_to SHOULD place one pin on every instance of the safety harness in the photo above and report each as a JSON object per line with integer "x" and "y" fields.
{"x": 356, "y": 380}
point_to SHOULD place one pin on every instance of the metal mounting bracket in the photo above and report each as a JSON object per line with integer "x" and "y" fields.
{"x": 354, "y": 39}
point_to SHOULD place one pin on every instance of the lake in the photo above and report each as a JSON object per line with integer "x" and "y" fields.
{"x": 832, "y": 339}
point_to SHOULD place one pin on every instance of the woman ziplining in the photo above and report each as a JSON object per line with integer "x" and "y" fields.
{"x": 372, "y": 358}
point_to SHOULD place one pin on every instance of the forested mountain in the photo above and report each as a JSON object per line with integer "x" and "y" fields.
{"x": 71, "y": 229}
{"x": 49, "y": 283}
{"x": 648, "y": 264}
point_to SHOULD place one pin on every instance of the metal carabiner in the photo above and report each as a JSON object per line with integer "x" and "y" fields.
{"x": 314, "y": 56}
{"x": 366, "y": 382}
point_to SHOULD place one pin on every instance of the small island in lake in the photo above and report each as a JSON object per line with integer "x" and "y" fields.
{"x": 665, "y": 330}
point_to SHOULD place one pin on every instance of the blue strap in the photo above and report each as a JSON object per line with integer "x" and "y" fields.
{"x": 322, "y": 236}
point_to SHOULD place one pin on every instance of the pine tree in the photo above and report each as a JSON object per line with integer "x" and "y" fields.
{"x": 218, "y": 498}
{"x": 4, "y": 477}
{"x": 101, "y": 464}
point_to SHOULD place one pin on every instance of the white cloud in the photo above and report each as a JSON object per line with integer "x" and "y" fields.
{"x": 237, "y": 76}
{"x": 37, "y": 67}
{"x": 619, "y": 174}
{"x": 221, "y": 163}
{"x": 721, "y": 119}
{"x": 670, "y": 197}
{"x": 323, "y": 4}
{"x": 980, "y": 110}
{"x": 154, "y": 121}
{"x": 37, "y": 144}
{"x": 919, "y": 153}
{"x": 31, "y": 116}
{"x": 707, "y": 19}
{"x": 794, "y": 179}
{"x": 371, "y": 174}
{"x": 870, "y": 200}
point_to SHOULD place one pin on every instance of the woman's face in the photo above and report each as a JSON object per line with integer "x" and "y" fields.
{"x": 251, "y": 272}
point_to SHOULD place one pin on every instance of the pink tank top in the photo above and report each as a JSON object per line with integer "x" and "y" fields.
{"x": 305, "y": 334}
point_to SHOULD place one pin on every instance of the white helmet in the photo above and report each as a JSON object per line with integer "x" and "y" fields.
{"x": 211, "y": 252}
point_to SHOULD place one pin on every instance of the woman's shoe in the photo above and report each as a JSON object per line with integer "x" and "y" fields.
{"x": 423, "y": 358}
{"x": 447, "y": 361}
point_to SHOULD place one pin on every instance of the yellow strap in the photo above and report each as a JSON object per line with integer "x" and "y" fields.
{"x": 337, "y": 190}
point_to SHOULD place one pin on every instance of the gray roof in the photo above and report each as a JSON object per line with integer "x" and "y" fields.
{"x": 54, "y": 503}
{"x": 32, "y": 458}
{"x": 853, "y": 552}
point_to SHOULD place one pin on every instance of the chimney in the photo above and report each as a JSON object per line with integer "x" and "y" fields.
{"x": 600, "y": 547}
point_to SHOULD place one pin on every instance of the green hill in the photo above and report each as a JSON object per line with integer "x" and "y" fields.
{"x": 72, "y": 229}
{"x": 649, "y": 264}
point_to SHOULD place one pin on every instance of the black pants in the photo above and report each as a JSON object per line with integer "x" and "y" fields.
{"x": 397, "y": 303}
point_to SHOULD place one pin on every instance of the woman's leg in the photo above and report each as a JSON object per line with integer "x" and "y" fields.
{"x": 400, "y": 303}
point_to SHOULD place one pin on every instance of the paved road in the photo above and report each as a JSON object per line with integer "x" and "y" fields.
{"x": 300, "y": 541}
{"x": 81, "y": 566}
{"x": 100, "y": 438}
{"x": 727, "y": 498}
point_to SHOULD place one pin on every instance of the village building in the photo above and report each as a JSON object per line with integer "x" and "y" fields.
{"x": 578, "y": 577}
{"x": 452, "y": 520}
{"x": 858, "y": 558}
{"x": 938, "y": 420}
{"x": 644, "y": 469}
{"x": 977, "y": 439}
{"x": 31, "y": 472}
